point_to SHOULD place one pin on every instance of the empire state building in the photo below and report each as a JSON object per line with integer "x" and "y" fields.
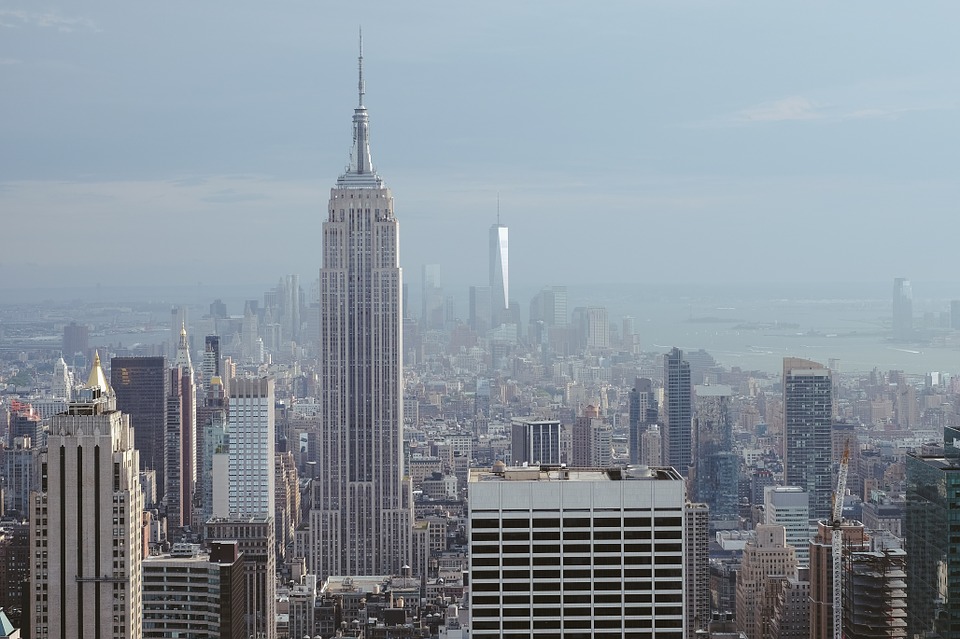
{"x": 362, "y": 516}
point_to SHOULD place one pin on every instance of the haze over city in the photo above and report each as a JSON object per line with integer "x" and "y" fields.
{"x": 418, "y": 321}
{"x": 652, "y": 142}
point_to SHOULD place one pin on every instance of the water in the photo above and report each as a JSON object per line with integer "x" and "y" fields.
{"x": 755, "y": 328}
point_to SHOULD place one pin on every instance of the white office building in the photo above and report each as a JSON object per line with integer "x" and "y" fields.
{"x": 557, "y": 552}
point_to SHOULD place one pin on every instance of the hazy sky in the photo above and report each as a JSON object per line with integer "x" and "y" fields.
{"x": 630, "y": 141}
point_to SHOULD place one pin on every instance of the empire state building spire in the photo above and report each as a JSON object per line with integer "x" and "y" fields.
{"x": 360, "y": 172}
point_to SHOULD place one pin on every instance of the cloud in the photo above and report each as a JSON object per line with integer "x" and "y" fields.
{"x": 51, "y": 19}
{"x": 9, "y": 61}
{"x": 797, "y": 108}
{"x": 792, "y": 108}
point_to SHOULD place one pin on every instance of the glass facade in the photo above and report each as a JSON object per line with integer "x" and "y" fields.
{"x": 932, "y": 530}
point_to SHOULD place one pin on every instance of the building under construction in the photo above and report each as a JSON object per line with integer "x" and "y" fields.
{"x": 873, "y": 585}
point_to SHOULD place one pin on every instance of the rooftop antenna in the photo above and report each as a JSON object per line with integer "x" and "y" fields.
{"x": 360, "y": 86}
{"x": 498, "y": 208}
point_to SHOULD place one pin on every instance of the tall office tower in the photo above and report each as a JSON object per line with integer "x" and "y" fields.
{"x": 140, "y": 384}
{"x": 250, "y": 332}
{"x": 765, "y": 559}
{"x": 576, "y": 553}
{"x": 213, "y": 458}
{"x": 855, "y": 539}
{"x": 807, "y": 419}
{"x": 62, "y": 383}
{"x": 789, "y": 506}
{"x": 591, "y": 328}
{"x": 251, "y": 431}
{"x": 902, "y": 309}
{"x": 696, "y": 558}
{"x": 499, "y": 274}
{"x": 629, "y": 340}
{"x": 592, "y": 441}
{"x": 715, "y": 465}
{"x": 363, "y": 509}
{"x": 480, "y": 312}
{"x": 255, "y": 540}
{"x": 210, "y": 366}
{"x": 85, "y": 522}
{"x": 643, "y": 414}
{"x": 76, "y": 339}
{"x": 677, "y": 412}
{"x": 652, "y": 446}
{"x": 431, "y": 298}
{"x": 17, "y": 478}
{"x": 933, "y": 551}
{"x": 181, "y": 436}
{"x": 550, "y": 306}
{"x": 190, "y": 593}
{"x": 955, "y": 314}
{"x": 535, "y": 441}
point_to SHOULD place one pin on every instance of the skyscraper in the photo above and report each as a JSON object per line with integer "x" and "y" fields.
{"x": 363, "y": 517}
{"x": 140, "y": 387}
{"x": 181, "y": 438}
{"x": 677, "y": 412}
{"x": 499, "y": 274}
{"x": 807, "y": 419}
{"x": 933, "y": 551}
{"x": 252, "y": 455}
{"x": 715, "y": 465}
{"x": 85, "y": 522}
{"x": 643, "y": 414}
{"x": 902, "y": 309}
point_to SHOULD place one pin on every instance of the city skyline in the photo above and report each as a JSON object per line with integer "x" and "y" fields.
{"x": 783, "y": 138}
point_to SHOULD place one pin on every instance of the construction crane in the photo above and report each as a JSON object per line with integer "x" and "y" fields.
{"x": 837, "y": 539}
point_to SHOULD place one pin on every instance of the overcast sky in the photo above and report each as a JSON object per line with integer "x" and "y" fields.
{"x": 179, "y": 142}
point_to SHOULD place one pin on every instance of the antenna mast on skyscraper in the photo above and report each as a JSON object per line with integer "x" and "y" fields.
{"x": 360, "y": 64}
{"x": 498, "y": 208}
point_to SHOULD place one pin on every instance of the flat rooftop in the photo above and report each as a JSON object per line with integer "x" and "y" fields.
{"x": 560, "y": 473}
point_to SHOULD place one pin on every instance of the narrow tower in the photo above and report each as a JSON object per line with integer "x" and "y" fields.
{"x": 499, "y": 272}
{"x": 362, "y": 518}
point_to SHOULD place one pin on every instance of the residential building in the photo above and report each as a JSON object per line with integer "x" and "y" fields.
{"x": 696, "y": 557}
{"x": 789, "y": 506}
{"x": 190, "y": 593}
{"x": 251, "y": 457}
{"x": 592, "y": 441}
{"x": 677, "y": 412}
{"x": 256, "y": 540}
{"x": 807, "y": 419}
